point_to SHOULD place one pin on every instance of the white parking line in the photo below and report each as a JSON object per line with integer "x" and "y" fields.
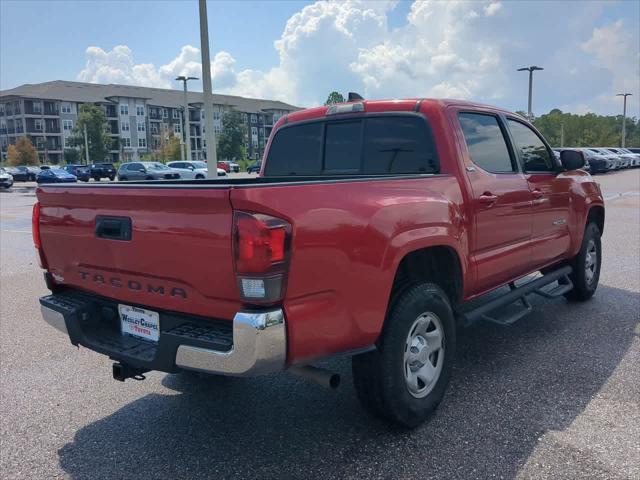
{"x": 624, "y": 194}
{"x": 16, "y": 231}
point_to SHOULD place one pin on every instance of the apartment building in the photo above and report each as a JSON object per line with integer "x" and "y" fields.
{"x": 139, "y": 118}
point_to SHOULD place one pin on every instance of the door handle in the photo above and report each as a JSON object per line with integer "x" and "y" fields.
{"x": 537, "y": 193}
{"x": 488, "y": 199}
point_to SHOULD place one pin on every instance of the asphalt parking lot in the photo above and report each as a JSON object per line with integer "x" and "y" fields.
{"x": 557, "y": 395}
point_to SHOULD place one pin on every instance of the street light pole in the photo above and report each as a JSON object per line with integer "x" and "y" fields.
{"x": 212, "y": 158}
{"x": 530, "y": 69}
{"x": 186, "y": 126}
{"x": 624, "y": 116}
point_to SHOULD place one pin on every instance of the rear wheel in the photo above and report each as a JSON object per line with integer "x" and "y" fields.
{"x": 199, "y": 177}
{"x": 586, "y": 265}
{"x": 404, "y": 380}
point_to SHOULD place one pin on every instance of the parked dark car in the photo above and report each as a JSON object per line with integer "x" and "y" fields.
{"x": 80, "y": 171}
{"x": 20, "y": 174}
{"x": 147, "y": 171}
{"x": 55, "y": 175}
{"x": 254, "y": 167}
{"x": 634, "y": 149}
{"x": 33, "y": 172}
{"x": 102, "y": 170}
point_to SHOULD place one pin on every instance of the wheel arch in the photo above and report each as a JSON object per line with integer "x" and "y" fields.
{"x": 596, "y": 215}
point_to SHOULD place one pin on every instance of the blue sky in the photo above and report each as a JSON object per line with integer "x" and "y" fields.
{"x": 299, "y": 51}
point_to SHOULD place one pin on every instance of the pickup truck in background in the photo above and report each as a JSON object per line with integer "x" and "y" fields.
{"x": 375, "y": 228}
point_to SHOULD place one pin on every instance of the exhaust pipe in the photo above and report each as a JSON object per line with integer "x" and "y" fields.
{"x": 317, "y": 375}
{"x": 122, "y": 371}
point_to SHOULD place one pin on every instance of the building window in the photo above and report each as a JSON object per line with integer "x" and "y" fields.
{"x": 126, "y": 142}
{"x": 216, "y": 115}
{"x": 276, "y": 117}
{"x": 154, "y": 128}
{"x": 40, "y": 143}
{"x": 140, "y": 110}
{"x": 217, "y": 129}
{"x": 37, "y": 107}
{"x": 67, "y": 125}
{"x": 176, "y": 114}
{"x": 125, "y": 127}
{"x": 177, "y": 128}
{"x": 124, "y": 109}
{"x": 141, "y": 127}
{"x": 66, "y": 108}
{"x": 142, "y": 142}
{"x": 254, "y": 131}
{"x": 244, "y": 118}
{"x": 37, "y": 125}
{"x": 202, "y": 114}
{"x": 254, "y": 119}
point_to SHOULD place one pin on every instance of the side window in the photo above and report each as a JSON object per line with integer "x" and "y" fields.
{"x": 485, "y": 142}
{"x": 534, "y": 153}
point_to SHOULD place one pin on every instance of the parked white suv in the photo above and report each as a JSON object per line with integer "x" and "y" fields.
{"x": 193, "y": 169}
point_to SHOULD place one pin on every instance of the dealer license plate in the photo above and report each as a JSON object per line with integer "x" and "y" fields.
{"x": 139, "y": 322}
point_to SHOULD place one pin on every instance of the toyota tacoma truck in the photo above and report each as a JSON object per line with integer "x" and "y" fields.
{"x": 375, "y": 229}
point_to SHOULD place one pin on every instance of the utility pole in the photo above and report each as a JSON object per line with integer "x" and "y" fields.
{"x": 530, "y": 69}
{"x": 212, "y": 157}
{"x": 624, "y": 116}
{"x": 86, "y": 144}
{"x": 562, "y": 134}
{"x": 187, "y": 129}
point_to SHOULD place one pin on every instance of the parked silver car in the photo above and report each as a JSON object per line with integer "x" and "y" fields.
{"x": 6, "y": 179}
{"x": 193, "y": 169}
{"x": 146, "y": 171}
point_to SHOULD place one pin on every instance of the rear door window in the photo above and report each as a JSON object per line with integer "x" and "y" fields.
{"x": 370, "y": 146}
{"x": 485, "y": 142}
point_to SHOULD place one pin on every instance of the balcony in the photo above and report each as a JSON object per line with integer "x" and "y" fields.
{"x": 110, "y": 112}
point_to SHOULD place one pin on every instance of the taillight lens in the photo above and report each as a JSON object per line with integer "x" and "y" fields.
{"x": 35, "y": 232}
{"x": 261, "y": 250}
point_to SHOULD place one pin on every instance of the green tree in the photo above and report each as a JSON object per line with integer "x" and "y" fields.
{"x": 22, "y": 153}
{"x": 71, "y": 156}
{"x": 589, "y": 130}
{"x": 231, "y": 141}
{"x": 170, "y": 148}
{"x": 94, "y": 119}
{"x": 334, "y": 97}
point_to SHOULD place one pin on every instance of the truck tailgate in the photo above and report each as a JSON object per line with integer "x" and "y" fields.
{"x": 178, "y": 257}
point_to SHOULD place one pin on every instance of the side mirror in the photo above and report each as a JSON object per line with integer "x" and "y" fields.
{"x": 572, "y": 159}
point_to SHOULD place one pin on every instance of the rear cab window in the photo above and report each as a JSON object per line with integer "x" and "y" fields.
{"x": 367, "y": 145}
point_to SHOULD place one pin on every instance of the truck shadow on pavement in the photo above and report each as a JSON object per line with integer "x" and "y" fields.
{"x": 510, "y": 386}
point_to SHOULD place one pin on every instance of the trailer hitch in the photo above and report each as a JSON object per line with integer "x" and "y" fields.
{"x": 122, "y": 371}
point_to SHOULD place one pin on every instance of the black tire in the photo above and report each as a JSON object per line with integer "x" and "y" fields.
{"x": 149, "y": 178}
{"x": 111, "y": 178}
{"x": 583, "y": 286}
{"x": 122, "y": 179}
{"x": 96, "y": 179}
{"x": 379, "y": 376}
{"x": 199, "y": 177}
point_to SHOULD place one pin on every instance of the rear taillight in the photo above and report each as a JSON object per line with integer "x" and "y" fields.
{"x": 35, "y": 232}
{"x": 261, "y": 252}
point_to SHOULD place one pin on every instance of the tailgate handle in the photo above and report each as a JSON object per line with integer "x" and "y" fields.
{"x": 113, "y": 228}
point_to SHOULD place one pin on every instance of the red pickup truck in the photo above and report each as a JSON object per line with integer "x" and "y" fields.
{"x": 375, "y": 228}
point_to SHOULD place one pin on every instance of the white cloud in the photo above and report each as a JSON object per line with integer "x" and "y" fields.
{"x": 492, "y": 8}
{"x": 462, "y": 49}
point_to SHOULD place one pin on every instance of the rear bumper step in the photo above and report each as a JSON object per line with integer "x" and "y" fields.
{"x": 253, "y": 344}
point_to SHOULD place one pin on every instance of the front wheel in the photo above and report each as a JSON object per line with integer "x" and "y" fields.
{"x": 586, "y": 265}
{"x": 111, "y": 178}
{"x": 405, "y": 378}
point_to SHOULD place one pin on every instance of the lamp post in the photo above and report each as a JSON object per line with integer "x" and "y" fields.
{"x": 624, "y": 116}
{"x": 530, "y": 69}
{"x": 187, "y": 129}
{"x": 212, "y": 159}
